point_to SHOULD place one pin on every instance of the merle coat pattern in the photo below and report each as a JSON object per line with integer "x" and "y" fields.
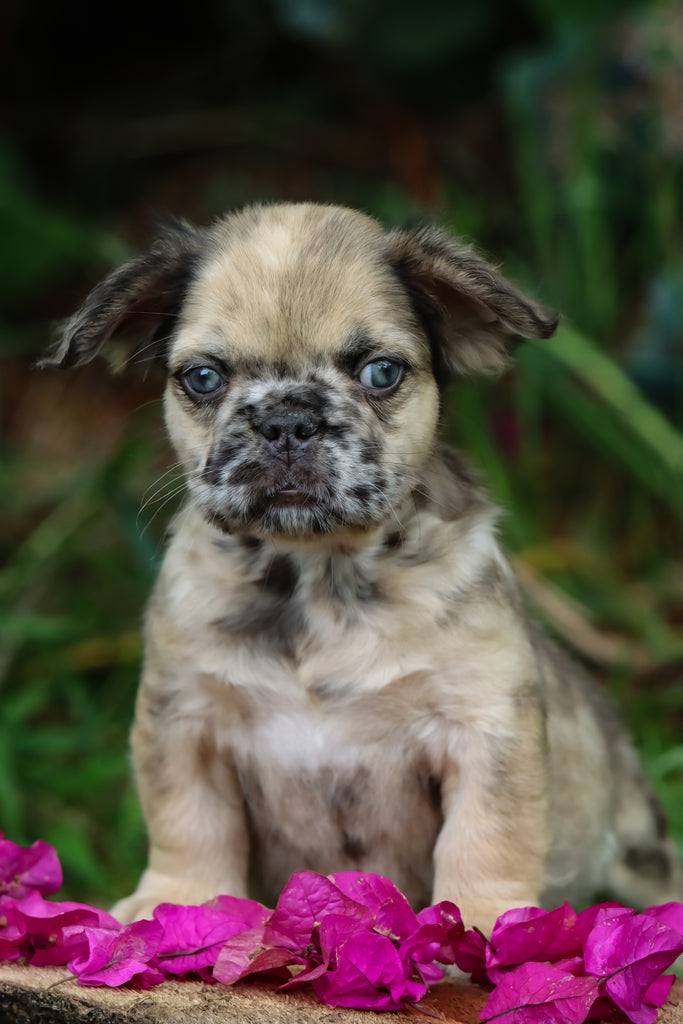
{"x": 339, "y": 671}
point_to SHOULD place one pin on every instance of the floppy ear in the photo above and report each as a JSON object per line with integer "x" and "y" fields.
{"x": 135, "y": 305}
{"x": 467, "y": 308}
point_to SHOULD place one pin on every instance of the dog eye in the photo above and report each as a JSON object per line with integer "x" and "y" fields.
{"x": 380, "y": 375}
{"x": 203, "y": 380}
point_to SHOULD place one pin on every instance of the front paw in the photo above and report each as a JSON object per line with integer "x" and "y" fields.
{"x": 155, "y": 888}
{"x": 483, "y": 914}
{"x": 134, "y": 908}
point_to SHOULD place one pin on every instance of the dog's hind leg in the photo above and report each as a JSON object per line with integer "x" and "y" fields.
{"x": 646, "y": 870}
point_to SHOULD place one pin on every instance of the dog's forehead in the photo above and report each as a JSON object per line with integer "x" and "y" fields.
{"x": 297, "y": 279}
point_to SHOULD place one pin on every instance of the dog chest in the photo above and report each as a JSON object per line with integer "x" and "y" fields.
{"x": 322, "y": 794}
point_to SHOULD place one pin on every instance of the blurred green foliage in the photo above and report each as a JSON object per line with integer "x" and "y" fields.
{"x": 547, "y": 132}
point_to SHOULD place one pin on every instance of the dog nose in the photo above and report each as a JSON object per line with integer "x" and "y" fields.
{"x": 288, "y": 431}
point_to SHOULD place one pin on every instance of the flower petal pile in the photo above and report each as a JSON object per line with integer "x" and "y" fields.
{"x": 354, "y": 939}
{"x": 568, "y": 966}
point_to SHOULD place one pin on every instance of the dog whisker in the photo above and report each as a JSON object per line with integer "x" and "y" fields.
{"x": 162, "y": 504}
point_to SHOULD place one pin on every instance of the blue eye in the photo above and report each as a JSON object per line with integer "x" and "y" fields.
{"x": 203, "y": 380}
{"x": 380, "y": 375}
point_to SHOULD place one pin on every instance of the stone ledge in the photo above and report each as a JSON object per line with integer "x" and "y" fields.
{"x": 49, "y": 995}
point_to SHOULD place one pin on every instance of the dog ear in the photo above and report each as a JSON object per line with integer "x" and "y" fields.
{"x": 135, "y": 306}
{"x": 468, "y": 309}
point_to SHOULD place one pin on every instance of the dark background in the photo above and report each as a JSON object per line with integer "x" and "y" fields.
{"x": 549, "y": 131}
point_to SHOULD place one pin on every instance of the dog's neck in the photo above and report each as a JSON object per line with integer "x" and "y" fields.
{"x": 441, "y": 523}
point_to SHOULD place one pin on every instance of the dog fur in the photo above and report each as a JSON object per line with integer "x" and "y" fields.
{"x": 340, "y": 673}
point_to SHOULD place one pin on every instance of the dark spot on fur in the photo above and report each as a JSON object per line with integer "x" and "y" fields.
{"x": 649, "y": 861}
{"x": 659, "y": 817}
{"x": 434, "y": 793}
{"x": 280, "y": 577}
{"x": 328, "y": 689}
{"x": 224, "y": 452}
{"x": 354, "y": 847}
{"x": 362, "y": 492}
{"x": 393, "y": 541}
{"x": 344, "y": 797}
{"x": 271, "y": 617}
{"x": 245, "y": 472}
{"x": 339, "y": 433}
{"x": 347, "y": 584}
{"x": 368, "y": 452}
{"x": 161, "y": 705}
{"x": 251, "y": 544}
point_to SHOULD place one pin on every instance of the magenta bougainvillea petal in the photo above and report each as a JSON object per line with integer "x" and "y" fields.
{"x": 470, "y": 956}
{"x": 247, "y": 954}
{"x": 13, "y": 933}
{"x": 46, "y": 921}
{"x": 28, "y": 869}
{"x": 367, "y": 974}
{"x": 307, "y": 898}
{"x": 438, "y": 935}
{"x": 603, "y": 912}
{"x": 658, "y": 992}
{"x": 192, "y": 937}
{"x": 535, "y": 993}
{"x": 436, "y": 940}
{"x": 356, "y": 941}
{"x": 117, "y": 958}
{"x": 670, "y": 914}
{"x": 630, "y": 952}
{"x": 249, "y": 912}
{"x": 534, "y": 934}
{"x": 391, "y": 912}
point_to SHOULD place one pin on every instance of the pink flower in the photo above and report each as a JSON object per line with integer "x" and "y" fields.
{"x": 534, "y": 934}
{"x": 117, "y": 958}
{"x": 630, "y": 952}
{"x": 192, "y": 937}
{"x": 670, "y": 914}
{"x": 366, "y": 972}
{"x": 355, "y": 939}
{"x": 249, "y": 953}
{"x": 13, "y": 933}
{"x": 249, "y": 912}
{"x": 471, "y": 956}
{"x": 305, "y": 900}
{"x": 44, "y": 922}
{"x": 27, "y": 869}
{"x": 391, "y": 913}
{"x": 437, "y": 937}
{"x": 535, "y": 993}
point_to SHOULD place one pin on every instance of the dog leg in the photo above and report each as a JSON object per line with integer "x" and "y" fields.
{"x": 491, "y": 852}
{"x": 193, "y": 807}
{"x": 647, "y": 870}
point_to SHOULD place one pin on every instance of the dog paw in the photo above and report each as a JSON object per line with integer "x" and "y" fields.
{"x": 134, "y": 908}
{"x": 155, "y": 888}
{"x": 484, "y": 913}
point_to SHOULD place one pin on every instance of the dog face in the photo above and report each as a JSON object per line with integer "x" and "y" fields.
{"x": 299, "y": 403}
{"x": 305, "y": 350}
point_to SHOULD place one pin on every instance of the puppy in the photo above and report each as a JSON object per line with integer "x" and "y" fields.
{"x": 340, "y": 673}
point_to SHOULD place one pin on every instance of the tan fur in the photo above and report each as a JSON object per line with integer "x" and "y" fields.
{"x": 347, "y": 679}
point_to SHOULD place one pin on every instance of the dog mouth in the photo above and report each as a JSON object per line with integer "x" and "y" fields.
{"x": 292, "y": 497}
{"x": 270, "y": 498}
{"x": 288, "y": 511}
{"x": 281, "y": 508}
